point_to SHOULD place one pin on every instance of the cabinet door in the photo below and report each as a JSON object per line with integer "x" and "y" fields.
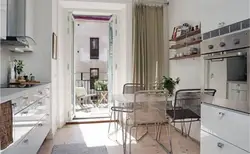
{"x": 215, "y": 12}
{"x": 3, "y": 21}
{"x": 243, "y": 95}
{"x": 213, "y": 145}
{"x": 234, "y": 95}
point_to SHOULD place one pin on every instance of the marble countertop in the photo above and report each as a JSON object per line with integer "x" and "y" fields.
{"x": 13, "y": 93}
{"x": 239, "y": 106}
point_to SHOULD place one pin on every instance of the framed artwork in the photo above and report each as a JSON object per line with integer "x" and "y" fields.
{"x": 94, "y": 48}
{"x": 54, "y": 46}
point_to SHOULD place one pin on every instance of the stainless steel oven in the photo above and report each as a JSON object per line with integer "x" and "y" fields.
{"x": 226, "y": 63}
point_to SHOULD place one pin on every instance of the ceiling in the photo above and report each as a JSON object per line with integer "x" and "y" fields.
{"x": 76, "y": 4}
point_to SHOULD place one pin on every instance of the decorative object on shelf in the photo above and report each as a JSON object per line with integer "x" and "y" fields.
{"x": 178, "y": 46}
{"x": 54, "y": 46}
{"x": 185, "y": 57}
{"x": 196, "y": 27}
{"x": 169, "y": 84}
{"x": 94, "y": 48}
{"x": 101, "y": 85}
{"x": 19, "y": 67}
{"x": 192, "y": 33}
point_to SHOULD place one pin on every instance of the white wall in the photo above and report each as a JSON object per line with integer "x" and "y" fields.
{"x": 83, "y": 32}
{"x": 5, "y": 55}
{"x": 189, "y": 70}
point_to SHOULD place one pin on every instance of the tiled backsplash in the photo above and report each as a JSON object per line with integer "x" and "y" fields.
{"x": 5, "y": 57}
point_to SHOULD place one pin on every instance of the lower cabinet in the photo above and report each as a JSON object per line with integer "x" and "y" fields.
{"x": 31, "y": 123}
{"x": 213, "y": 145}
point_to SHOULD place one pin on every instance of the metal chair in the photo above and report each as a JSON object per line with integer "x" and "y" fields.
{"x": 128, "y": 88}
{"x": 184, "y": 109}
{"x": 82, "y": 98}
{"x": 146, "y": 113}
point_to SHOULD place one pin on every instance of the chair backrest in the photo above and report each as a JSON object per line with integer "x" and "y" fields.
{"x": 131, "y": 88}
{"x": 146, "y": 105}
{"x": 190, "y": 99}
{"x": 80, "y": 91}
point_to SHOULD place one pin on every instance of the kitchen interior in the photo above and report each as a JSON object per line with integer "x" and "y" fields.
{"x": 26, "y": 40}
{"x": 219, "y": 60}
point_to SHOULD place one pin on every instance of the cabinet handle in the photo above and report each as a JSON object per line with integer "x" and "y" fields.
{"x": 221, "y": 114}
{"x": 25, "y": 141}
{"x": 47, "y": 114}
{"x": 220, "y": 145}
{"x": 26, "y": 97}
{"x": 40, "y": 124}
{"x": 40, "y": 92}
{"x": 14, "y": 105}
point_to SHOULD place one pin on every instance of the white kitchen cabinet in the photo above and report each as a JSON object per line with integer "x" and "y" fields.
{"x": 31, "y": 121}
{"x": 237, "y": 91}
{"x": 223, "y": 123}
{"x": 213, "y": 145}
{"x": 3, "y": 20}
{"x": 216, "y": 12}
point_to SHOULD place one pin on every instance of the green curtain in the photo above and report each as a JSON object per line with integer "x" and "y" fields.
{"x": 148, "y": 44}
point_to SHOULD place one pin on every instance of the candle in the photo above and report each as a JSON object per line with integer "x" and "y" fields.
{"x": 156, "y": 71}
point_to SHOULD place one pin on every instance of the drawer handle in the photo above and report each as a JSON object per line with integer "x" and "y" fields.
{"x": 26, "y": 97}
{"x": 221, "y": 114}
{"x": 40, "y": 124}
{"x": 25, "y": 141}
{"x": 47, "y": 114}
{"x": 40, "y": 92}
{"x": 220, "y": 145}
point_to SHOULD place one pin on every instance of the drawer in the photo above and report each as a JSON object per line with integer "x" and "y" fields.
{"x": 228, "y": 125}
{"x": 213, "y": 145}
{"x": 238, "y": 86}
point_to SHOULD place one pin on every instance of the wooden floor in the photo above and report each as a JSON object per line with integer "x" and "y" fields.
{"x": 96, "y": 135}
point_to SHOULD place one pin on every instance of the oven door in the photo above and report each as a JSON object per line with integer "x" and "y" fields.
{"x": 227, "y": 73}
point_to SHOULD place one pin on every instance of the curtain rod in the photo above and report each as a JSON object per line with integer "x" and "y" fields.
{"x": 151, "y": 2}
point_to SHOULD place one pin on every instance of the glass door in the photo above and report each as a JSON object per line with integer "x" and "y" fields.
{"x": 112, "y": 26}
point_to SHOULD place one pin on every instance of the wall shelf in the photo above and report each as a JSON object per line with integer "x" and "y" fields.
{"x": 192, "y": 33}
{"x": 185, "y": 57}
{"x": 178, "y": 46}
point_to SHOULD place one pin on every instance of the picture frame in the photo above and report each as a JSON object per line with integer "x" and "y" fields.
{"x": 54, "y": 46}
{"x": 94, "y": 48}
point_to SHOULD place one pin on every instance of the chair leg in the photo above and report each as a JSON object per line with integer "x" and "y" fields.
{"x": 169, "y": 136}
{"x": 189, "y": 129}
{"x": 110, "y": 122}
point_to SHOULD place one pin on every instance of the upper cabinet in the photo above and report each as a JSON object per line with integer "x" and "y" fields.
{"x": 216, "y": 14}
{"x": 3, "y": 14}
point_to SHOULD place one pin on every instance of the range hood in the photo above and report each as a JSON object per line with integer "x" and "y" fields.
{"x": 16, "y": 25}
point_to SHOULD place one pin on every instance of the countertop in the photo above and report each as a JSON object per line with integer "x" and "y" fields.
{"x": 238, "y": 106}
{"x": 13, "y": 93}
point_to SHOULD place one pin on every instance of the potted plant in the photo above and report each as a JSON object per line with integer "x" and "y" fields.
{"x": 169, "y": 84}
{"x": 19, "y": 67}
{"x": 101, "y": 85}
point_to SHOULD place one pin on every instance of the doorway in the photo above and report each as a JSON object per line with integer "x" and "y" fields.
{"x": 93, "y": 65}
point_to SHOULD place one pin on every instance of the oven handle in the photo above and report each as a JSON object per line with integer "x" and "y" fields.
{"x": 227, "y": 55}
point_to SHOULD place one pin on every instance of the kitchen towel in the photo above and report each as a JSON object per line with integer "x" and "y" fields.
{"x": 6, "y": 125}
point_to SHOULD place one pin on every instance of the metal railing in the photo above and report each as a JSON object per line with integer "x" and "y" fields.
{"x": 86, "y": 85}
